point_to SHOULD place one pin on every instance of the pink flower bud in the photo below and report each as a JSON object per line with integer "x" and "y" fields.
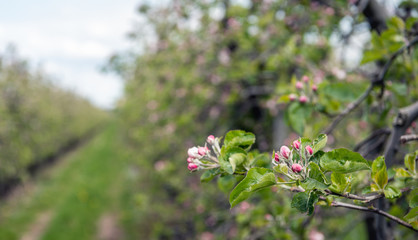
{"x": 303, "y": 99}
{"x": 285, "y": 152}
{"x": 314, "y": 88}
{"x": 193, "y": 152}
{"x": 296, "y": 168}
{"x": 309, "y": 150}
{"x": 276, "y": 157}
{"x": 189, "y": 160}
{"x": 202, "y": 151}
{"x": 296, "y": 144}
{"x": 192, "y": 166}
{"x": 292, "y": 97}
{"x": 211, "y": 139}
{"x": 299, "y": 85}
{"x": 305, "y": 78}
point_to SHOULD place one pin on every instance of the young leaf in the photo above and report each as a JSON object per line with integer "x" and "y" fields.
{"x": 231, "y": 157}
{"x": 412, "y": 217}
{"x": 209, "y": 175}
{"x": 239, "y": 138}
{"x": 342, "y": 160}
{"x": 236, "y": 159}
{"x": 226, "y": 183}
{"x": 305, "y": 202}
{"x": 392, "y": 192}
{"x": 402, "y": 173}
{"x": 297, "y": 115}
{"x": 256, "y": 179}
{"x": 413, "y": 200}
{"x": 319, "y": 143}
{"x": 225, "y": 165}
{"x": 316, "y": 179}
{"x": 281, "y": 168}
{"x": 379, "y": 172}
{"x": 339, "y": 183}
{"x": 410, "y": 162}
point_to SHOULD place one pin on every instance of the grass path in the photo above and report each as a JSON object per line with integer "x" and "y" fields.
{"x": 88, "y": 184}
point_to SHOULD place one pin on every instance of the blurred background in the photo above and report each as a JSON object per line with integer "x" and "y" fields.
{"x": 100, "y": 100}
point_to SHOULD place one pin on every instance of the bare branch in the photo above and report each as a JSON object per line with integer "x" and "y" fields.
{"x": 373, "y": 210}
{"x": 349, "y": 108}
{"x": 365, "y": 199}
{"x": 409, "y": 138}
{"x": 378, "y": 81}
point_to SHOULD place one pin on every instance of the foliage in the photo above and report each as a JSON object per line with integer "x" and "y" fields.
{"x": 37, "y": 118}
{"x": 254, "y": 67}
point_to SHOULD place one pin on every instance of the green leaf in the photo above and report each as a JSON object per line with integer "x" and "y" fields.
{"x": 410, "y": 161}
{"x": 319, "y": 143}
{"x": 297, "y": 115}
{"x": 397, "y": 23}
{"x": 239, "y": 138}
{"x": 225, "y": 165}
{"x": 281, "y": 168}
{"x": 402, "y": 173}
{"x": 256, "y": 179}
{"x": 340, "y": 183}
{"x": 412, "y": 217}
{"x": 316, "y": 179}
{"x": 231, "y": 157}
{"x": 413, "y": 201}
{"x": 379, "y": 172}
{"x": 209, "y": 175}
{"x": 344, "y": 91}
{"x": 304, "y": 202}
{"x": 392, "y": 192}
{"x": 342, "y": 160}
{"x": 226, "y": 183}
{"x": 236, "y": 159}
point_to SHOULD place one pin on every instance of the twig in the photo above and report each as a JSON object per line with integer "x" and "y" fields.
{"x": 365, "y": 199}
{"x": 373, "y": 210}
{"x": 349, "y": 108}
{"x": 409, "y": 138}
{"x": 378, "y": 81}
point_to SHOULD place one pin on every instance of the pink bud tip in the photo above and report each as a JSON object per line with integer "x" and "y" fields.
{"x": 193, "y": 152}
{"x": 192, "y": 166}
{"x": 292, "y": 97}
{"x": 296, "y": 144}
{"x": 285, "y": 152}
{"x": 296, "y": 168}
{"x": 303, "y": 99}
{"x": 211, "y": 139}
{"x": 202, "y": 151}
{"x": 189, "y": 160}
{"x": 299, "y": 85}
{"x": 276, "y": 157}
{"x": 314, "y": 88}
{"x": 305, "y": 78}
{"x": 309, "y": 150}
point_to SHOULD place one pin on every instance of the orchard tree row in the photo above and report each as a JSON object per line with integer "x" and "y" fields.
{"x": 283, "y": 73}
{"x": 37, "y": 118}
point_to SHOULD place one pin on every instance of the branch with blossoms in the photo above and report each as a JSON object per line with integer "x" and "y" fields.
{"x": 306, "y": 169}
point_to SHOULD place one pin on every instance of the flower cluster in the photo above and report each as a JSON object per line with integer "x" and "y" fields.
{"x": 306, "y": 90}
{"x": 203, "y": 157}
{"x": 294, "y": 160}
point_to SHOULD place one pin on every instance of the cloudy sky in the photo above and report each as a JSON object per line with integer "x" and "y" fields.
{"x": 71, "y": 40}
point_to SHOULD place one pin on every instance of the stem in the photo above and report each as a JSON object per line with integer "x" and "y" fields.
{"x": 373, "y": 210}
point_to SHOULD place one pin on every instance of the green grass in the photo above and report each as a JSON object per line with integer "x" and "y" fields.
{"x": 88, "y": 183}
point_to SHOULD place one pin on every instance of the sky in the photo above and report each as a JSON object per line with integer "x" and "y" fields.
{"x": 71, "y": 41}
